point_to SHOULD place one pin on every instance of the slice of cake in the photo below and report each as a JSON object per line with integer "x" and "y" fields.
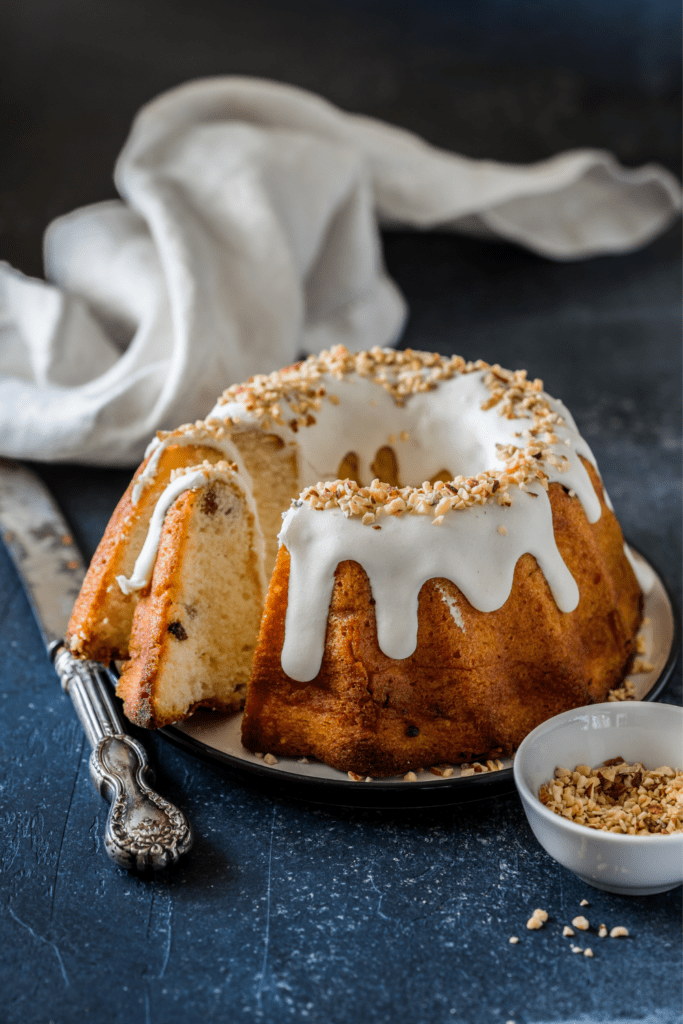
{"x": 195, "y": 627}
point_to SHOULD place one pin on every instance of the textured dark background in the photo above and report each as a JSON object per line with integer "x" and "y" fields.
{"x": 285, "y": 912}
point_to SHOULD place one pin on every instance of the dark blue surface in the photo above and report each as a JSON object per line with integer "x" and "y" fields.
{"x": 285, "y": 912}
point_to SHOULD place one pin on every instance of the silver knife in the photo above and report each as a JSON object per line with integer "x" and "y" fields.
{"x": 143, "y": 830}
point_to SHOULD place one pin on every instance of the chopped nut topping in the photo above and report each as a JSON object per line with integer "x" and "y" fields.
{"x": 513, "y": 940}
{"x": 618, "y": 797}
{"x": 410, "y": 777}
{"x": 290, "y": 397}
{"x": 619, "y": 932}
{"x": 209, "y": 469}
{"x": 581, "y": 923}
{"x": 588, "y": 951}
{"x": 602, "y": 931}
{"x": 354, "y": 777}
{"x": 270, "y": 759}
{"x": 576, "y": 949}
{"x": 584, "y": 903}
{"x": 567, "y": 931}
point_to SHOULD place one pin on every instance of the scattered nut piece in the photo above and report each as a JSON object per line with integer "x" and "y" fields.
{"x": 602, "y": 931}
{"x": 588, "y": 951}
{"x": 513, "y": 940}
{"x": 567, "y": 931}
{"x": 354, "y": 777}
{"x": 576, "y": 949}
{"x": 619, "y": 932}
{"x": 258, "y": 755}
{"x": 581, "y": 923}
{"x": 627, "y": 691}
{"x": 542, "y": 915}
{"x": 270, "y": 759}
{"x": 584, "y": 903}
{"x": 533, "y": 924}
{"x": 410, "y": 777}
{"x": 502, "y": 531}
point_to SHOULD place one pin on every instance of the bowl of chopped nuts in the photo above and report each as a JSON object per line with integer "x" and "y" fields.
{"x": 602, "y": 788}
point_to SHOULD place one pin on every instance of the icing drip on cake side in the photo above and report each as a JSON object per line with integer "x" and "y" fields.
{"x": 398, "y": 559}
{"x": 193, "y": 478}
{"x": 191, "y": 434}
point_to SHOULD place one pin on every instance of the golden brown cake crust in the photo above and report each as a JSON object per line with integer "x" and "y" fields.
{"x": 460, "y": 694}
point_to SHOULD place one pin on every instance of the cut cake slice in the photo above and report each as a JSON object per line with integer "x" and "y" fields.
{"x": 195, "y": 627}
{"x": 101, "y": 621}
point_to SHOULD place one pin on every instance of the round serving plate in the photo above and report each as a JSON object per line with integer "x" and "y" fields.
{"x": 213, "y": 737}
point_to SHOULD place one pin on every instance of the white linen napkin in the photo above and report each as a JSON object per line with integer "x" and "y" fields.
{"x": 247, "y": 231}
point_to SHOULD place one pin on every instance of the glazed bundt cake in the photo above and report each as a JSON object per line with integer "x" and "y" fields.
{"x": 457, "y": 579}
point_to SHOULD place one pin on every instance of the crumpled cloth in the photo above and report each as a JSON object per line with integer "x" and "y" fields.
{"x": 247, "y": 231}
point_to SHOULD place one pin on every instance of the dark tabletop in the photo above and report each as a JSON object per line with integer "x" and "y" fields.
{"x": 287, "y": 912}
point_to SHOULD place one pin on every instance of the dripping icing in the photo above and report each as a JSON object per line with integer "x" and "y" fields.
{"x": 188, "y": 481}
{"x": 452, "y": 605}
{"x": 191, "y": 435}
{"x": 400, "y": 558}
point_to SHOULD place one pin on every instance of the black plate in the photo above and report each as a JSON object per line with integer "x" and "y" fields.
{"x": 316, "y": 783}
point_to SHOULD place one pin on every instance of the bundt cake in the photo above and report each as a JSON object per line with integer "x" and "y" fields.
{"x": 458, "y": 578}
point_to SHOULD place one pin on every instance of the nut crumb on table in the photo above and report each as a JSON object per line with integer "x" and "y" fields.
{"x": 537, "y": 919}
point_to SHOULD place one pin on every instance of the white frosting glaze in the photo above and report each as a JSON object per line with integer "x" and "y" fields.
{"x": 193, "y": 435}
{"x": 644, "y": 574}
{"x": 452, "y": 605}
{"x": 398, "y": 559}
{"x": 199, "y": 477}
{"x": 445, "y": 428}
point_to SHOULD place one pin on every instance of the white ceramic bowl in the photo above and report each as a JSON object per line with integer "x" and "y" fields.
{"x": 635, "y": 730}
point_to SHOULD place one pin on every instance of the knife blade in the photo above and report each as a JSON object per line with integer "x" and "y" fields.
{"x": 143, "y": 829}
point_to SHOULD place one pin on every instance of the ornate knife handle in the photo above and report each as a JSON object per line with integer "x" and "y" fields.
{"x": 143, "y": 830}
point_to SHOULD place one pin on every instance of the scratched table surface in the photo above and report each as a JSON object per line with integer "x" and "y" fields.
{"x": 286, "y": 912}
